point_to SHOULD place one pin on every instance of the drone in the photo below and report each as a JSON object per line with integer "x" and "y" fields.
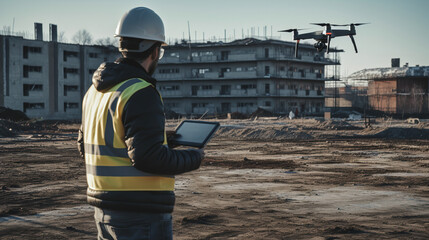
{"x": 323, "y": 38}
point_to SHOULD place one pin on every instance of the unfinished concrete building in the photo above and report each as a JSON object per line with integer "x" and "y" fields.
{"x": 397, "y": 90}
{"x": 242, "y": 76}
{"x": 47, "y": 79}
{"x": 346, "y": 95}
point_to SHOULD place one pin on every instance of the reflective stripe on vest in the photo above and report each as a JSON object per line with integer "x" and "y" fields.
{"x": 108, "y": 167}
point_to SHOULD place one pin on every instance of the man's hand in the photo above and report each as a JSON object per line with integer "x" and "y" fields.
{"x": 201, "y": 152}
{"x": 170, "y": 136}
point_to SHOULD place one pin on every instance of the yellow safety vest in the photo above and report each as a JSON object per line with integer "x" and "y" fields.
{"x": 108, "y": 167}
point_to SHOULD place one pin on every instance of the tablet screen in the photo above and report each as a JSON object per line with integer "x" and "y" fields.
{"x": 195, "y": 133}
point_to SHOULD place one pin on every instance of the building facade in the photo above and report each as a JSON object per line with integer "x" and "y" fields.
{"x": 47, "y": 79}
{"x": 394, "y": 91}
{"x": 242, "y": 76}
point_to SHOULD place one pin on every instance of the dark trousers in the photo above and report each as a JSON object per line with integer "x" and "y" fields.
{"x": 118, "y": 225}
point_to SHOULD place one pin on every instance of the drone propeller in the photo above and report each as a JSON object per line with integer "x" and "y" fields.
{"x": 344, "y": 25}
{"x": 358, "y": 24}
{"x": 321, "y": 24}
{"x": 292, "y": 30}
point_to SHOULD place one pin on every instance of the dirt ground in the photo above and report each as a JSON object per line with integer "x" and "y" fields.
{"x": 261, "y": 179}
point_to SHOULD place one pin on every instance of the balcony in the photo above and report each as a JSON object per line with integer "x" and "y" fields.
{"x": 241, "y": 57}
{"x": 168, "y": 76}
{"x": 301, "y": 93}
{"x": 244, "y": 92}
{"x": 175, "y": 93}
{"x": 247, "y": 74}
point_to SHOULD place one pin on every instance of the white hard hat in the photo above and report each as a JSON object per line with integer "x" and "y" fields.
{"x": 142, "y": 23}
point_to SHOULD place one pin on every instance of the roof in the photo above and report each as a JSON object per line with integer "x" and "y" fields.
{"x": 386, "y": 73}
{"x": 240, "y": 42}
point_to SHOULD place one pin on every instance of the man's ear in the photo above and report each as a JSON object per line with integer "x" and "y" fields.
{"x": 154, "y": 54}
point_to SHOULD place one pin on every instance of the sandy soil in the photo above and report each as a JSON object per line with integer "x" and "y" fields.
{"x": 261, "y": 179}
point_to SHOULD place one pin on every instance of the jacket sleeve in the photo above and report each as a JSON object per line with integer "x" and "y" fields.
{"x": 144, "y": 122}
{"x": 80, "y": 144}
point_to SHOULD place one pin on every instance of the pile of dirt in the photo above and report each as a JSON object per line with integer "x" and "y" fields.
{"x": 238, "y": 115}
{"x": 170, "y": 114}
{"x": 337, "y": 125}
{"x": 403, "y": 133}
{"x": 262, "y": 113}
{"x": 9, "y": 128}
{"x": 268, "y": 133}
{"x": 12, "y": 115}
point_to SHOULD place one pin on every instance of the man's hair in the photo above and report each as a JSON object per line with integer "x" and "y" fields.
{"x": 133, "y": 44}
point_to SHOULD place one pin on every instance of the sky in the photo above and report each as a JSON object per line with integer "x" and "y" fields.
{"x": 397, "y": 29}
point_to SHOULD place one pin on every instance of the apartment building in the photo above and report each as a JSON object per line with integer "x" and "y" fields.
{"x": 47, "y": 79}
{"x": 242, "y": 76}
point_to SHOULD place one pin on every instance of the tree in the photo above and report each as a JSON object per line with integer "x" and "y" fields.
{"x": 61, "y": 37}
{"x": 106, "y": 42}
{"x": 82, "y": 37}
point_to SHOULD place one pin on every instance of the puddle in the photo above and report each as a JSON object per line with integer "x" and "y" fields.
{"x": 54, "y": 214}
{"x": 402, "y": 174}
{"x": 357, "y": 200}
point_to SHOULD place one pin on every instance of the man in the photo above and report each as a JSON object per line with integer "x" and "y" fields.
{"x": 130, "y": 168}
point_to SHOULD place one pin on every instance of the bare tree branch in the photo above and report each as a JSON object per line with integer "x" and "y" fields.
{"x": 82, "y": 37}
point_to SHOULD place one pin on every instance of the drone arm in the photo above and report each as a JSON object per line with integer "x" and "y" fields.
{"x": 296, "y": 48}
{"x": 354, "y": 43}
{"x": 329, "y": 43}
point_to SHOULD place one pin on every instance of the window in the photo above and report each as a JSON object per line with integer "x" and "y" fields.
{"x": 267, "y": 53}
{"x": 206, "y": 53}
{"x": 27, "y": 69}
{"x": 93, "y": 55}
{"x": 70, "y": 105}
{"x": 171, "y": 105}
{"x": 223, "y": 71}
{"x": 224, "y": 55}
{"x": 169, "y": 88}
{"x": 248, "y": 86}
{"x": 267, "y": 70}
{"x": 199, "y": 105}
{"x": 31, "y": 87}
{"x": 28, "y": 49}
{"x": 225, "y": 90}
{"x": 281, "y": 86}
{"x": 70, "y": 88}
{"x": 175, "y": 54}
{"x": 239, "y": 69}
{"x": 169, "y": 70}
{"x": 68, "y": 54}
{"x": 244, "y": 104}
{"x": 195, "y": 90}
{"x": 267, "y": 104}
{"x": 207, "y": 87}
{"x": 33, "y": 106}
{"x": 70, "y": 71}
{"x": 203, "y": 70}
{"x": 267, "y": 88}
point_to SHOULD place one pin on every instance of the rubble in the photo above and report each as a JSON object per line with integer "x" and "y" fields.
{"x": 12, "y": 115}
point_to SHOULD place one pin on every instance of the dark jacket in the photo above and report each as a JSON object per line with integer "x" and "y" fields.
{"x": 144, "y": 121}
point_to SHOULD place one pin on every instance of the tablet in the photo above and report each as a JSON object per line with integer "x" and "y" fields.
{"x": 195, "y": 133}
